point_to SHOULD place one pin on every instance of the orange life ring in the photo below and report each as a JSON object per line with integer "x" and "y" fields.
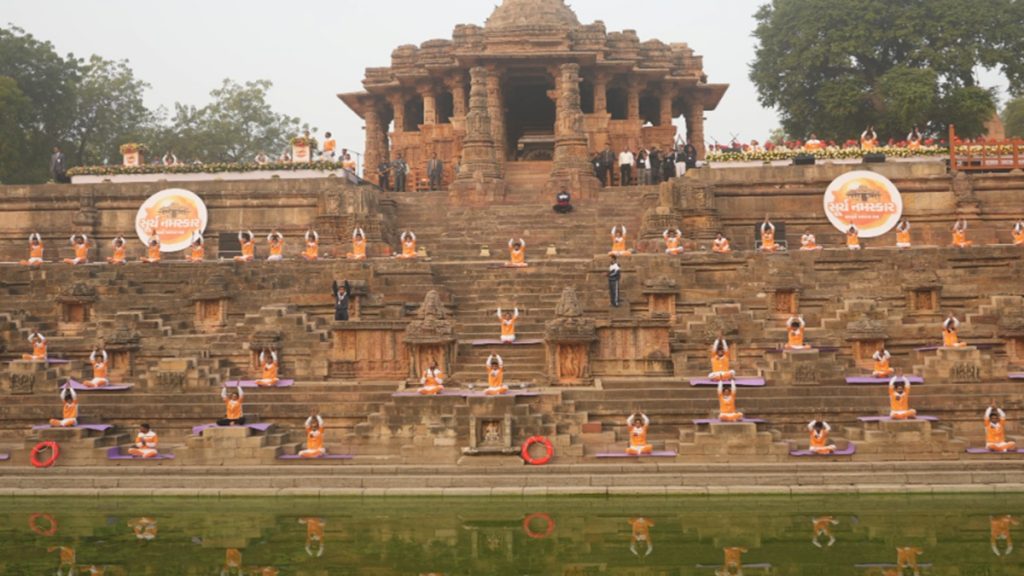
{"x": 548, "y": 523}
{"x": 33, "y": 523}
{"x": 54, "y": 452}
{"x": 549, "y": 450}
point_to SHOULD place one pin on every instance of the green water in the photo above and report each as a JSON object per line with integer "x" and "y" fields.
{"x": 566, "y": 537}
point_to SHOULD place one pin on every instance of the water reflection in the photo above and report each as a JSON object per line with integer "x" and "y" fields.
{"x": 576, "y": 537}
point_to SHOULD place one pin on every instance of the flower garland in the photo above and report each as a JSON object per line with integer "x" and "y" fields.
{"x": 133, "y": 148}
{"x": 213, "y": 168}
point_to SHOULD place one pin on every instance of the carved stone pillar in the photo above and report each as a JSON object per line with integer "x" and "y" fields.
{"x": 667, "y": 95}
{"x": 376, "y": 143}
{"x": 429, "y": 104}
{"x": 398, "y": 107}
{"x": 601, "y": 93}
{"x": 633, "y": 103}
{"x": 496, "y": 109}
{"x": 695, "y": 128}
{"x": 572, "y": 168}
{"x": 457, "y": 84}
{"x": 480, "y": 178}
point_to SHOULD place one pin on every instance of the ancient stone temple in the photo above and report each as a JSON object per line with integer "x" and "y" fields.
{"x": 557, "y": 91}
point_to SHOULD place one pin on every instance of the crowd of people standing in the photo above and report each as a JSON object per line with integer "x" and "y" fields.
{"x": 643, "y": 166}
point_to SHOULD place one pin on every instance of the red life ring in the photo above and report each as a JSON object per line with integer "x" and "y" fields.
{"x": 54, "y": 452}
{"x": 33, "y": 523}
{"x": 549, "y": 450}
{"x": 549, "y": 525}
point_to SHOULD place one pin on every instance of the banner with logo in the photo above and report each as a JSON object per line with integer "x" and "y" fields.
{"x": 174, "y": 216}
{"x": 866, "y": 200}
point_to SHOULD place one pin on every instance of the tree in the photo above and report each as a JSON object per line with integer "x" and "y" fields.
{"x": 835, "y": 67}
{"x": 15, "y": 117}
{"x": 1013, "y": 118}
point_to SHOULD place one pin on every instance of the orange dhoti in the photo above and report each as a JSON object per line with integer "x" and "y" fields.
{"x": 432, "y": 382}
{"x": 638, "y": 441}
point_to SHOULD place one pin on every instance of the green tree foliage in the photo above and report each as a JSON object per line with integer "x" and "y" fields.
{"x": 15, "y": 118}
{"x": 1013, "y": 118}
{"x": 835, "y": 67}
{"x": 109, "y": 110}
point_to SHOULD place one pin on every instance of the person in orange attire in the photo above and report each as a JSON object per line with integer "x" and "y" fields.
{"x": 853, "y": 238}
{"x": 248, "y": 243}
{"x": 950, "y": 337}
{"x": 432, "y": 381}
{"x": 312, "y": 251}
{"x": 68, "y": 560}
{"x": 275, "y": 243}
{"x": 232, "y": 562}
{"x": 673, "y": 241}
{"x": 314, "y": 536}
{"x": 98, "y": 359}
{"x": 823, "y": 527}
{"x": 995, "y": 431}
{"x": 408, "y": 240}
{"x": 144, "y": 528}
{"x": 727, "y": 403}
{"x": 813, "y": 143}
{"x": 145, "y": 443}
{"x": 619, "y": 241}
{"x": 819, "y": 430}
{"x": 638, "y": 425}
{"x": 508, "y": 325}
{"x": 152, "y": 250}
{"x": 495, "y": 376}
{"x": 960, "y": 234}
{"x": 882, "y": 369}
{"x": 1000, "y": 527}
{"x": 721, "y": 245}
{"x": 359, "y": 245}
{"x": 233, "y": 407}
{"x": 868, "y": 139}
{"x": 808, "y": 242}
{"x": 906, "y": 558}
{"x": 1018, "y": 233}
{"x": 35, "y": 250}
{"x": 81, "y": 244}
{"x": 268, "y": 367}
{"x": 641, "y": 535}
{"x": 69, "y": 414}
{"x": 197, "y": 252}
{"x": 38, "y": 342}
{"x": 903, "y": 234}
{"x": 899, "y": 398}
{"x": 795, "y": 329}
{"x": 516, "y": 253}
{"x": 314, "y": 437}
{"x": 733, "y": 563}
{"x": 120, "y": 247}
{"x": 768, "y": 243}
{"x": 720, "y": 370}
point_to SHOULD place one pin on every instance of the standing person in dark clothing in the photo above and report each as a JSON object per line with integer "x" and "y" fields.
{"x": 435, "y": 169}
{"x": 58, "y": 166}
{"x": 341, "y": 300}
{"x": 384, "y": 175}
{"x": 654, "y": 159}
{"x": 605, "y": 164}
{"x": 668, "y": 166}
{"x": 400, "y": 168}
{"x": 690, "y": 156}
{"x": 614, "y": 277}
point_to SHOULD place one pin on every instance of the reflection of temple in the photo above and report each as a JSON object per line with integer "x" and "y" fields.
{"x": 628, "y": 91}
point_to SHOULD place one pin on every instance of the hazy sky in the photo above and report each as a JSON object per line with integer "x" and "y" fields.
{"x": 315, "y": 49}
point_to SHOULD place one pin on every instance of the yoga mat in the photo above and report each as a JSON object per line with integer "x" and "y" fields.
{"x": 888, "y": 419}
{"x": 883, "y": 565}
{"x": 987, "y": 451}
{"x": 76, "y": 385}
{"x": 96, "y": 427}
{"x": 4, "y": 457}
{"x": 54, "y": 361}
{"x": 849, "y": 450}
{"x": 655, "y": 454}
{"x": 459, "y": 393}
{"x": 740, "y": 382}
{"x": 497, "y": 342}
{"x": 115, "y": 454}
{"x": 872, "y": 380}
{"x": 1017, "y": 376}
{"x": 700, "y": 421}
{"x": 252, "y": 384}
{"x": 324, "y": 457}
{"x": 261, "y": 426}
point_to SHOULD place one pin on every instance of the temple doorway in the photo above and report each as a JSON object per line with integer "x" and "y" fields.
{"x": 530, "y": 118}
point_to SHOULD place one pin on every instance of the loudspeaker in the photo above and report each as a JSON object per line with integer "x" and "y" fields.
{"x": 804, "y": 160}
{"x": 874, "y": 158}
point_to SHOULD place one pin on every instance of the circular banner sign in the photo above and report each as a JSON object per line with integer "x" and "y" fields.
{"x": 866, "y": 200}
{"x": 174, "y": 216}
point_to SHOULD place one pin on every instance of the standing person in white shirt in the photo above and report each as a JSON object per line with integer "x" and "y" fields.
{"x": 614, "y": 277}
{"x": 626, "y": 161}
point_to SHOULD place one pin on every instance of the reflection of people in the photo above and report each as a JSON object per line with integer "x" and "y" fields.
{"x": 68, "y": 560}
{"x": 995, "y": 431}
{"x": 1000, "y": 528}
{"x": 314, "y": 536}
{"x": 638, "y": 425}
{"x": 881, "y": 369}
{"x": 232, "y": 562}
{"x": 727, "y": 403}
{"x": 733, "y": 563}
{"x": 823, "y": 528}
{"x": 144, "y": 528}
{"x": 641, "y": 536}
{"x": 69, "y": 410}
{"x": 899, "y": 398}
{"x": 432, "y": 381}
{"x": 906, "y": 557}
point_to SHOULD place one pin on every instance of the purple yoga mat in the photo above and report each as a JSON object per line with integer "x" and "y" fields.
{"x": 324, "y": 457}
{"x": 115, "y": 454}
{"x": 740, "y": 382}
{"x": 5, "y": 457}
{"x": 1017, "y": 376}
{"x": 96, "y": 427}
{"x": 459, "y": 393}
{"x": 884, "y": 565}
{"x": 56, "y": 361}
{"x": 76, "y": 385}
{"x": 655, "y": 454}
{"x": 261, "y": 426}
{"x": 252, "y": 384}
{"x": 987, "y": 451}
{"x": 888, "y": 419}
{"x": 872, "y": 380}
{"x": 700, "y": 421}
{"x": 849, "y": 450}
{"x": 496, "y": 342}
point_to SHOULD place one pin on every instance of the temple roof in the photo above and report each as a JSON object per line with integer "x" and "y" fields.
{"x": 517, "y": 13}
